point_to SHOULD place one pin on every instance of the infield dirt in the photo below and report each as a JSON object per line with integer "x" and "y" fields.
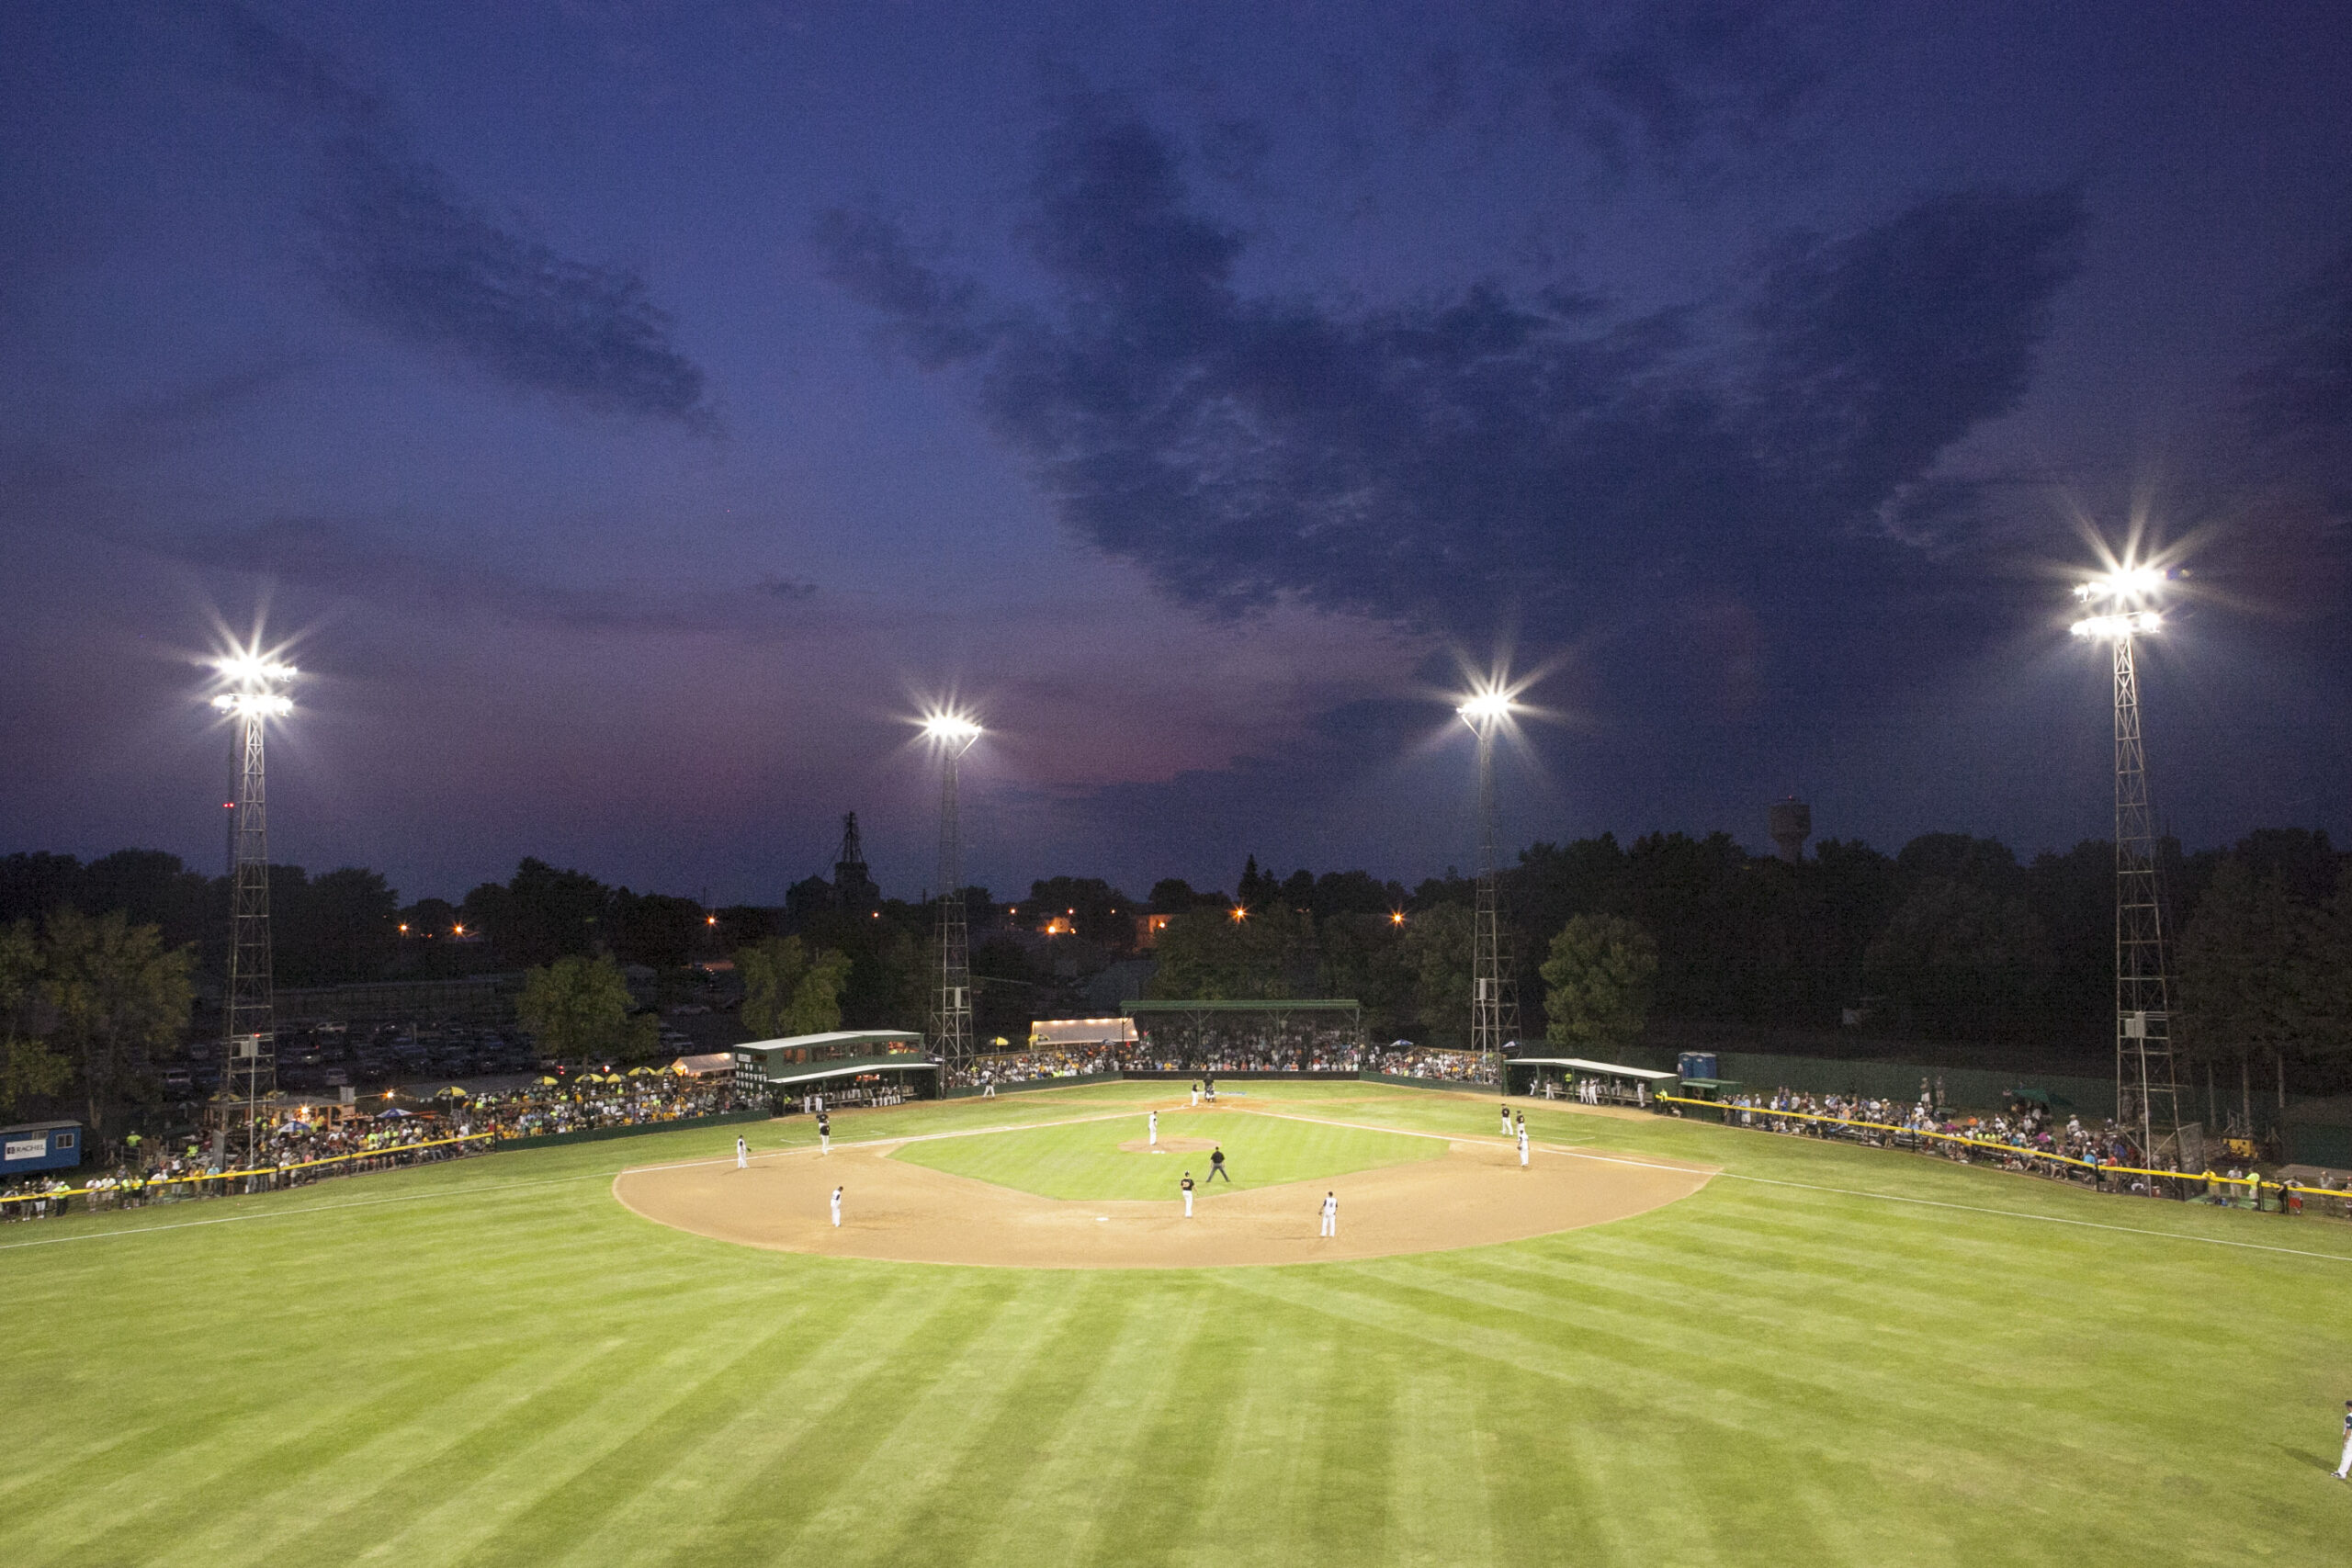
{"x": 895, "y": 1209}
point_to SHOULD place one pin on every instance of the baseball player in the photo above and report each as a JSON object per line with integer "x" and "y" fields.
{"x": 837, "y": 1208}
{"x": 1196, "y": 1094}
{"x": 1154, "y": 1126}
{"x": 824, "y": 1134}
{"x": 1330, "y": 1214}
{"x": 743, "y": 1153}
{"x": 1188, "y": 1194}
{"x": 1506, "y": 1111}
{"x": 1216, "y": 1165}
{"x": 2344, "y": 1470}
{"x": 1522, "y": 1146}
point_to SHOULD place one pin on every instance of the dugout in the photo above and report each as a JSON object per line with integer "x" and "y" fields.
{"x": 39, "y": 1146}
{"x": 845, "y": 1064}
{"x": 1615, "y": 1083}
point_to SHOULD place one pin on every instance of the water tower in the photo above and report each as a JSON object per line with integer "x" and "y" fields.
{"x": 1792, "y": 821}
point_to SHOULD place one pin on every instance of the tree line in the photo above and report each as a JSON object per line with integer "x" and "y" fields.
{"x": 1952, "y": 937}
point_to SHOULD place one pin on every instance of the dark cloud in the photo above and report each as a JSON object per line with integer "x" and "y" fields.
{"x": 1428, "y": 464}
{"x": 344, "y": 560}
{"x": 1678, "y": 88}
{"x": 403, "y": 249}
{"x": 2298, "y": 399}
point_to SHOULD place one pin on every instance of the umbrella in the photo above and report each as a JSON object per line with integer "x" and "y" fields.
{"x": 395, "y": 1111}
{"x": 640, "y": 1072}
{"x": 452, "y": 1092}
{"x": 547, "y": 1080}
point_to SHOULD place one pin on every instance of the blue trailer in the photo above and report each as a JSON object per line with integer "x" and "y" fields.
{"x": 39, "y": 1146}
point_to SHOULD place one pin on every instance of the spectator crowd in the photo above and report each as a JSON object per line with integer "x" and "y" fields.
{"x": 297, "y": 1148}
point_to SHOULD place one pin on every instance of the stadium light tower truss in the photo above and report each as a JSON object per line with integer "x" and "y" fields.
{"x": 248, "y": 1058}
{"x": 953, "y": 734}
{"x": 2122, "y": 606}
{"x": 1494, "y": 983}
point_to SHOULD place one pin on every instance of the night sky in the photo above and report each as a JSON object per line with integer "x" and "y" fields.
{"x": 629, "y": 415}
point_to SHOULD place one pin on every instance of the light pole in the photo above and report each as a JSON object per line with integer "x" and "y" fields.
{"x": 248, "y": 1054}
{"x": 1494, "y": 985}
{"x": 953, "y": 734}
{"x": 2121, "y": 606}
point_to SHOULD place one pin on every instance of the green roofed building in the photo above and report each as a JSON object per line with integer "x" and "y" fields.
{"x": 842, "y": 1064}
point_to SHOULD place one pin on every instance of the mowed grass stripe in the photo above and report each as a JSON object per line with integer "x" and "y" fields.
{"x": 1759, "y": 1374}
{"x": 781, "y": 1503}
{"x": 1060, "y": 1487}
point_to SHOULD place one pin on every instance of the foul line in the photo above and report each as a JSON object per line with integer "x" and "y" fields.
{"x": 287, "y": 1213}
{"x": 2045, "y": 1219}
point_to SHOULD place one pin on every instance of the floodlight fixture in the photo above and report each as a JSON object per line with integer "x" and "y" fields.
{"x": 1487, "y": 707}
{"x": 952, "y": 733}
{"x": 953, "y": 730}
{"x": 255, "y": 704}
{"x": 251, "y": 669}
{"x": 2129, "y": 623}
{"x": 2120, "y": 606}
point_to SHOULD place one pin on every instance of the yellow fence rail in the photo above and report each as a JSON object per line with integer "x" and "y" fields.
{"x": 2255, "y": 1185}
{"x": 145, "y": 1185}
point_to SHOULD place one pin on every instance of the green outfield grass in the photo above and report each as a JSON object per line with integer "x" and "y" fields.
{"x": 1830, "y": 1355}
{"x": 1082, "y": 1159}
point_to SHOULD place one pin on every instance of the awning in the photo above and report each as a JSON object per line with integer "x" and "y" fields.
{"x": 816, "y": 1071}
{"x": 1578, "y": 1064}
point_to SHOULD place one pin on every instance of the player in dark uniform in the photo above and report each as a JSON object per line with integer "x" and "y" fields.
{"x": 1216, "y": 1165}
{"x": 824, "y": 1134}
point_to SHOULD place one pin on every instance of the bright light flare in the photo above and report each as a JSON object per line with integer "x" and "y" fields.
{"x": 253, "y": 705}
{"x": 954, "y": 730}
{"x": 2123, "y": 585}
{"x": 1488, "y": 707}
{"x": 251, "y": 669}
{"x": 2132, "y": 623}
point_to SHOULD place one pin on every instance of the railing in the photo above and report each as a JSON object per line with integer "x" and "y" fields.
{"x": 145, "y": 1189}
{"x": 2255, "y": 1184}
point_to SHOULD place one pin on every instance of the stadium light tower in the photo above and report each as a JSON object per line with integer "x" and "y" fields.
{"x": 248, "y": 1056}
{"x": 2121, "y": 606}
{"x": 953, "y": 734}
{"x": 1493, "y": 983}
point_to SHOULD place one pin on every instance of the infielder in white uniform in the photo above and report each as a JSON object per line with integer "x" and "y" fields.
{"x": 837, "y": 1208}
{"x": 1330, "y": 1214}
{"x": 1506, "y": 1111}
{"x": 1522, "y": 1144}
{"x": 1188, "y": 1194}
{"x": 742, "y": 1154}
{"x": 1155, "y": 1127}
{"x": 2344, "y": 1470}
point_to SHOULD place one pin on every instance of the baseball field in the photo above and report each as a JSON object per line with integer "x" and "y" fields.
{"x": 1738, "y": 1350}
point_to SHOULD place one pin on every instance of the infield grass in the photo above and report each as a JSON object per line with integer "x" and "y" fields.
{"x": 1083, "y": 1159}
{"x": 1830, "y": 1355}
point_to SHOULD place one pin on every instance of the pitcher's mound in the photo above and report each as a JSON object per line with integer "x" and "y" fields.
{"x": 1167, "y": 1146}
{"x": 1475, "y": 1196}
